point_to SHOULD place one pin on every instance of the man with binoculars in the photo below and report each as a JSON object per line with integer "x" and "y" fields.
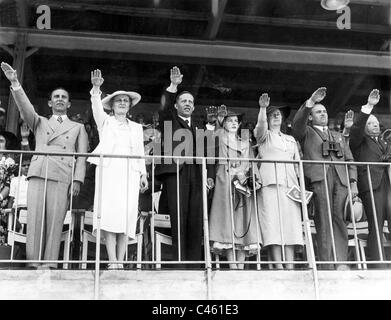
{"x": 329, "y": 183}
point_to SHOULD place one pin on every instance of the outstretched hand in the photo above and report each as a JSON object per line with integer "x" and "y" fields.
{"x": 318, "y": 95}
{"x": 9, "y": 72}
{"x": 143, "y": 183}
{"x": 24, "y": 131}
{"x": 176, "y": 76}
{"x": 96, "y": 78}
{"x": 374, "y": 97}
{"x": 264, "y": 100}
{"x": 349, "y": 119}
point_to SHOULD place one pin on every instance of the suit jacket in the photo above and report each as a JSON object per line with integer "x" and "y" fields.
{"x": 365, "y": 149}
{"x": 188, "y": 146}
{"x": 108, "y": 134}
{"x": 50, "y": 136}
{"x": 311, "y": 141}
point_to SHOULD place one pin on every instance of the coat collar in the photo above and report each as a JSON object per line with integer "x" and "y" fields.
{"x": 376, "y": 147}
{"x": 237, "y": 145}
{"x": 60, "y": 129}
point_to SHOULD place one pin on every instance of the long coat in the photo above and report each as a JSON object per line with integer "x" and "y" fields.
{"x": 227, "y": 202}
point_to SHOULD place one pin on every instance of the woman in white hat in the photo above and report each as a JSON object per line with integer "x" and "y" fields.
{"x": 280, "y": 217}
{"x": 122, "y": 179}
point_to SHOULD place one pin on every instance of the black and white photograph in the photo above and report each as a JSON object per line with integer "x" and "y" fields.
{"x": 204, "y": 152}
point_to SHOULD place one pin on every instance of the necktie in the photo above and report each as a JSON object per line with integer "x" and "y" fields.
{"x": 187, "y": 122}
{"x": 59, "y": 119}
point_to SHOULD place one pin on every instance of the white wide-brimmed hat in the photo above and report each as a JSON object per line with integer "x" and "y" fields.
{"x": 134, "y": 96}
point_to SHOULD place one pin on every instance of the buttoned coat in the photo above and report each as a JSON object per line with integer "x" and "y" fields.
{"x": 108, "y": 133}
{"x": 311, "y": 141}
{"x": 68, "y": 137}
{"x": 365, "y": 149}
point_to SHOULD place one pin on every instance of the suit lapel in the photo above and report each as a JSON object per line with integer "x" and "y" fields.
{"x": 375, "y": 146}
{"x": 61, "y": 128}
{"x": 183, "y": 123}
{"x": 53, "y": 123}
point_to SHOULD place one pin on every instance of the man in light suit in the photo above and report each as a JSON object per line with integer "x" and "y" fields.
{"x": 49, "y": 177}
{"x": 321, "y": 144}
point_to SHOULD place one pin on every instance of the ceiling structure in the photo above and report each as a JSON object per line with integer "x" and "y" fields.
{"x": 229, "y": 51}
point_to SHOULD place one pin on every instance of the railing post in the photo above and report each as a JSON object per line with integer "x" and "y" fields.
{"x": 16, "y": 205}
{"x": 208, "y": 264}
{"x": 356, "y": 244}
{"x": 97, "y": 249}
{"x": 307, "y": 228}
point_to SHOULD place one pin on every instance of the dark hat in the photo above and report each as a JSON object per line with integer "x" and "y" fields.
{"x": 231, "y": 113}
{"x": 283, "y": 109}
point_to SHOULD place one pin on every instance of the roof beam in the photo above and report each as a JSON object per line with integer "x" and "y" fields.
{"x": 219, "y": 52}
{"x": 368, "y": 2}
{"x": 201, "y": 16}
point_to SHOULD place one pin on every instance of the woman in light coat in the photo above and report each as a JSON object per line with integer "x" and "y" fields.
{"x": 280, "y": 216}
{"x": 117, "y": 190}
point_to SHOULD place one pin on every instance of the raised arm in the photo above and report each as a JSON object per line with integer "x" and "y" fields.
{"x": 23, "y": 103}
{"x": 357, "y": 131}
{"x": 96, "y": 103}
{"x": 168, "y": 99}
{"x": 299, "y": 125}
{"x": 260, "y": 130}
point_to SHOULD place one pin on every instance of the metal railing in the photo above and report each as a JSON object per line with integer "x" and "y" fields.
{"x": 307, "y": 262}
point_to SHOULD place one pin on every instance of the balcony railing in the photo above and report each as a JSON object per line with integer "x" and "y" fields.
{"x": 78, "y": 219}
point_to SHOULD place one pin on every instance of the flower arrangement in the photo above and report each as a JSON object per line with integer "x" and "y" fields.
{"x": 7, "y": 167}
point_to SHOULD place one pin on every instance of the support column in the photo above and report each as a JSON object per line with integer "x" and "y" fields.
{"x": 18, "y": 64}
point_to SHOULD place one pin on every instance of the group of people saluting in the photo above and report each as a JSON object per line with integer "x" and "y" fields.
{"x": 249, "y": 207}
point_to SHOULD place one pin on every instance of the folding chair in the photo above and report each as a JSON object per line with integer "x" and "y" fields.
{"x": 363, "y": 241}
{"x": 87, "y": 237}
{"x": 20, "y": 237}
{"x": 159, "y": 221}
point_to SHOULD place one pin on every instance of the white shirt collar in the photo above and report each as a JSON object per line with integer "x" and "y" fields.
{"x": 210, "y": 127}
{"x": 64, "y": 116}
{"x": 321, "y": 128}
{"x": 186, "y": 119}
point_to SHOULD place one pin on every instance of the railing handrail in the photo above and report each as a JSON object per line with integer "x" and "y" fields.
{"x": 106, "y": 155}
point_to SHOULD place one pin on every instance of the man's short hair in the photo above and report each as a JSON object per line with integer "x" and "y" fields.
{"x": 181, "y": 94}
{"x": 59, "y": 88}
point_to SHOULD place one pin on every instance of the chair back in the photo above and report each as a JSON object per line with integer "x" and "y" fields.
{"x": 23, "y": 216}
{"x": 160, "y": 220}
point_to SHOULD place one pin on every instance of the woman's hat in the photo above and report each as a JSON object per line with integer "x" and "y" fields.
{"x": 134, "y": 96}
{"x": 283, "y": 109}
{"x": 231, "y": 113}
{"x": 357, "y": 209}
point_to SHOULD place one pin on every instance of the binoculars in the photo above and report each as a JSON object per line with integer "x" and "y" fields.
{"x": 331, "y": 146}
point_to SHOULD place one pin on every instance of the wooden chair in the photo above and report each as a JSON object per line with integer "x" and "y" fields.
{"x": 362, "y": 233}
{"x": 361, "y": 230}
{"x": 363, "y": 242}
{"x": 20, "y": 236}
{"x": 159, "y": 221}
{"x": 87, "y": 237}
